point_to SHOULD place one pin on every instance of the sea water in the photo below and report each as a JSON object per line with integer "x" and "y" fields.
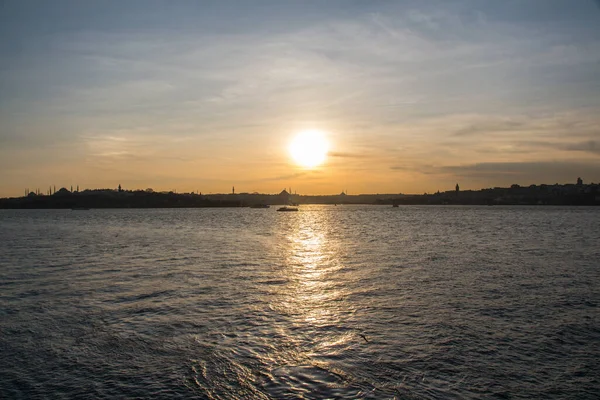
{"x": 341, "y": 302}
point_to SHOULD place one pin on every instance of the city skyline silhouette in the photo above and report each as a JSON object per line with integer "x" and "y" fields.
{"x": 387, "y": 97}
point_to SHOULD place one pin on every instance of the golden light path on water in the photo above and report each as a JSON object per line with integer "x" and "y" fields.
{"x": 318, "y": 326}
{"x": 310, "y": 264}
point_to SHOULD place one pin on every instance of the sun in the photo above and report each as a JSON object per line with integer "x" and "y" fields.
{"x": 309, "y": 148}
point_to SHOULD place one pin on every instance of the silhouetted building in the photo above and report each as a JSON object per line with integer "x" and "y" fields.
{"x": 579, "y": 182}
{"x": 458, "y": 188}
{"x": 283, "y": 197}
{"x": 62, "y": 192}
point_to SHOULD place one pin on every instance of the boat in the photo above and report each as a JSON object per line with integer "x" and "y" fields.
{"x": 260, "y": 206}
{"x": 286, "y": 208}
{"x": 394, "y": 205}
{"x": 79, "y": 208}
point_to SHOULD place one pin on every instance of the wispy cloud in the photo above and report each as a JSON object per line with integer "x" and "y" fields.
{"x": 590, "y": 146}
{"x": 526, "y": 172}
{"x": 490, "y": 127}
{"x": 286, "y": 177}
{"x": 340, "y": 154}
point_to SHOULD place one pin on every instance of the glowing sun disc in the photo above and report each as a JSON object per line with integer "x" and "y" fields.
{"x": 309, "y": 148}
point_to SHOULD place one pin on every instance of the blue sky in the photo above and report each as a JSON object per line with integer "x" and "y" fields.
{"x": 414, "y": 96}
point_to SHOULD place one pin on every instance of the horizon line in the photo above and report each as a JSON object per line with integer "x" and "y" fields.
{"x": 38, "y": 192}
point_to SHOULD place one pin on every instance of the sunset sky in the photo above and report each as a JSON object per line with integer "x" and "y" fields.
{"x": 413, "y": 96}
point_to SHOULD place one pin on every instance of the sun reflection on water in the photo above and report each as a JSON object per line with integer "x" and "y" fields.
{"x": 314, "y": 296}
{"x": 313, "y": 323}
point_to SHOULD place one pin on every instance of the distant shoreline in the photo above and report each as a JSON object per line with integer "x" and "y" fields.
{"x": 305, "y": 204}
{"x": 539, "y": 195}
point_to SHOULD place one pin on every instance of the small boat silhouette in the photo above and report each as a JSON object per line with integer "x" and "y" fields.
{"x": 286, "y": 208}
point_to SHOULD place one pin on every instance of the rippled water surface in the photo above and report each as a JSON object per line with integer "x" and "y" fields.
{"x": 329, "y": 302}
